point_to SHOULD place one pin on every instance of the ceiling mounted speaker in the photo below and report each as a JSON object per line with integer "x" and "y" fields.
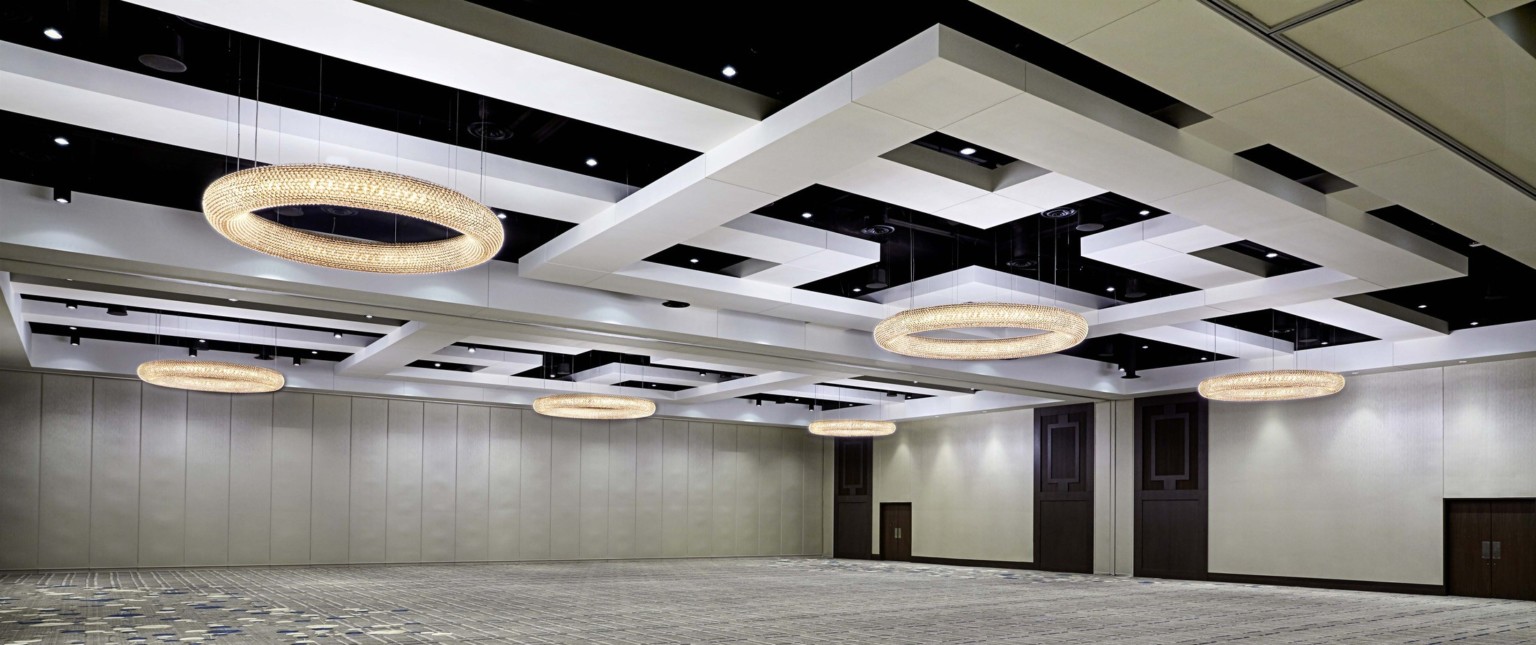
{"x": 878, "y": 279}
{"x": 167, "y": 54}
{"x": 1065, "y": 212}
{"x": 878, "y": 230}
{"x": 1089, "y": 223}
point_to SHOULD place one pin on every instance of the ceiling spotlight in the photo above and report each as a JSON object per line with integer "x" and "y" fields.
{"x": 297, "y": 362}
{"x": 72, "y": 327}
{"x": 1474, "y": 323}
{"x": 967, "y": 151}
{"x": 1459, "y": 362}
{"x": 335, "y": 334}
{"x": 805, "y": 215}
{"x": 1271, "y": 255}
{"x": 192, "y": 351}
{"x": 234, "y": 300}
{"x": 202, "y": 340}
{"x": 728, "y": 72}
{"x": 368, "y": 315}
{"x": 61, "y": 141}
{"x": 63, "y": 195}
{"x": 857, "y": 290}
{"x": 652, "y": 384}
{"x": 1325, "y": 342}
{"x": 1089, "y": 223}
{"x": 71, "y": 305}
{"x": 167, "y": 54}
{"x": 1110, "y": 289}
{"x": 437, "y": 365}
{"x": 1143, "y": 346}
{"x": 1202, "y": 358}
{"x": 591, "y": 162}
{"x": 702, "y": 374}
{"x": 693, "y": 260}
{"x": 53, "y": 34}
{"x": 1143, "y": 212}
{"x": 471, "y": 350}
{"x": 759, "y": 402}
{"x": 117, "y": 310}
{"x": 1423, "y": 306}
{"x": 500, "y": 215}
{"x": 314, "y": 351}
{"x": 74, "y": 340}
{"x": 264, "y": 355}
{"x": 879, "y": 278}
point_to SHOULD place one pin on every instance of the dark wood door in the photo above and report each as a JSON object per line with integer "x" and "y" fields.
{"x": 1064, "y": 488}
{"x": 1172, "y": 474}
{"x": 1467, "y": 564}
{"x": 852, "y": 504}
{"x": 1490, "y": 548}
{"x": 896, "y": 531}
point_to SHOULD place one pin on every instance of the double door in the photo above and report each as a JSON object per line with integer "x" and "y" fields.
{"x": 896, "y": 531}
{"x": 1491, "y": 548}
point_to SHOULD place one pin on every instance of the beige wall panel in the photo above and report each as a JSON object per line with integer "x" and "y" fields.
{"x": 748, "y": 481}
{"x": 723, "y": 492}
{"x": 791, "y": 510}
{"x": 649, "y": 486}
{"x": 594, "y": 489}
{"x": 1490, "y": 439}
{"x": 369, "y": 504}
{"x": 700, "y": 481}
{"x": 114, "y": 466}
{"x": 293, "y": 421}
{"x": 506, "y": 486}
{"x": 1347, "y": 486}
{"x": 439, "y": 456}
{"x": 810, "y": 494}
{"x": 65, "y": 474}
{"x": 674, "y": 520}
{"x": 250, "y": 479}
{"x": 207, "y": 537}
{"x": 1103, "y": 486}
{"x": 402, "y": 530}
{"x": 1124, "y": 490}
{"x": 534, "y": 543}
{"x": 472, "y": 509}
{"x": 330, "y": 477}
{"x": 770, "y": 493}
{"x": 565, "y": 490}
{"x": 162, "y": 477}
{"x": 621, "y": 489}
{"x": 21, "y": 418}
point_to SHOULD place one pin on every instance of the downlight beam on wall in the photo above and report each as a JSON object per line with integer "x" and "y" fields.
{"x": 230, "y": 204}
{"x": 1058, "y": 329}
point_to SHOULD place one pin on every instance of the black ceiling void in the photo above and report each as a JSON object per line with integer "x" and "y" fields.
{"x": 964, "y": 150}
{"x": 185, "y": 343}
{"x": 1130, "y": 353}
{"x": 789, "y": 51}
{"x": 1495, "y": 291}
{"x": 1283, "y": 327}
{"x": 1296, "y": 169}
{"x": 121, "y": 167}
{"x": 119, "y": 34}
{"x": 692, "y": 257}
{"x": 1255, "y": 258}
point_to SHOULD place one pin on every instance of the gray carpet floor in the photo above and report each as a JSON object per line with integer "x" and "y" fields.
{"x": 749, "y": 600}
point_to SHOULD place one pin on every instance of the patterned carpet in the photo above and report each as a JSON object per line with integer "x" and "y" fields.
{"x": 762, "y": 600}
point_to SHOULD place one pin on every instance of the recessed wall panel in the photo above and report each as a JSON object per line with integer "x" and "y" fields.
{"x": 565, "y": 489}
{"x": 331, "y": 477}
{"x": 770, "y": 493}
{"x": 472, "y": 521}
{"x": 1490, "y": 444}
{"x": 162, "y": 477}
{"x": 505, "y": 496}
{"x": 701, "y": 526}
{"x": 594, "y": 489}
{"x": 21, "y": 417}
{"x": 207, "y": 537}
{"x": 250, "y": 479}
{"x": 723, "y": 490}
{"x": 403, "y": 492}
{"x": 368, "y": 505}
{"x": 674, "y": 512}
{"x": 791, "y": 487}
{"x": 293, "y": 419}
{"x": 650, "y": 478}
{"x": 536, "y": 452}
{"x": 748, "y": 481}
{"x": 439, "y": 449}
{"x": 65, "y": 472}
{"x": 621, "y": 489}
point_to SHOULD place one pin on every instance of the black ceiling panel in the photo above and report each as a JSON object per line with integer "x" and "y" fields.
{"x": 1295, "y": 168}
{"x": 183, "y": 343}
{"x": 64, "y": 302}
{"x": 964, "y": 151}
{"x": 1132, "y": 353}
{"x": 117, "y": 33}
{"x": 1303, "y": 332}
{"x": 1267, "y": 261}
{"x": 1495, "y": 291}
{"x": 692, "y": 257}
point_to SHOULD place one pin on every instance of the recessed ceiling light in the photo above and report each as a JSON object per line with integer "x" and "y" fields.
{"x": 1460, "y": 361}
{"x": 1271, "y": 255}
{"x": 202, "y": 340}
{"x": 967, "y": 151}
{"x": 693, "y": 260}
{"x": 805, "y": 215}
{"x": 1143, "y": 346}
{"x": 72, "y": 327}
{"x": 367, "y": 315}
{"x": 500, "y": 215}
{"x": 1202, "y": 358}
{"x": 53, "y": 34}
{"x": 71, "y": 305}
{"x": 314, "y": 351}
{"x": 1423, "y": 306}
{"x": 858, "y": 290}
{"x": 1325, "y": 342}
{"x": 471, "y": 350}
{"x": 336, "y": 334}
{"x": 297, "y": 362}
{"x": 62, "y": 195}
{"x": 728, "y": 72}
{"x": 591, "y": 162}
{"x": 1474, "y": 323}
{"x": 437, "y": 365}
{"x": 61, "y": 141}
{"x": 74, "y": 340}
{"x": 1144, "y": 212}
{"x": 1110, "y": 289}
{"x": 234, "y": 300}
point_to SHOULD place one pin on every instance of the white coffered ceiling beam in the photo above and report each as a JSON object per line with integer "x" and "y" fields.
{"x": 796, "y": 254}
{"x": 757, "y": 384}
{"x": 1291, "y": 288}
{"x": 615, "y": 373}
{"x": 1162, "y": 247}
{"x": 397, "y": 349}
{"x": 60, "y": 88}
{"x": 1352, "y": 317}
{"x": 15, "y": 337}
{"x": 471, "y": 48}
{"x": 206, "y": 309}
{"x": 142, "y": 322}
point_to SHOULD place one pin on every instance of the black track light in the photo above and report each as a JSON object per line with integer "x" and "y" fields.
{"x": 759, "y": 402}
{"x": 192, "y": 351}
{"x": 71, "y": 305}
{"x": 63, "y": 195}
{"x": 263, "y": 356}
{"x": 335, "y": 334}
{"x": 297, "y": 361}
{"x": 1089, "y": 223}
{"x": 167, "y": 53}
{"x": 471, "y": 349}
{"x": 878, "y": 279}
{"x": 74, "y": 340}
{"x": 117, "y": 310}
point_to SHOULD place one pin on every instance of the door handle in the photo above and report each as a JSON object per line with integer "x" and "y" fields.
{"x": 898, "y": 533}
{"x": 1497, "y": 550}
{"x": 1486, "y": 547}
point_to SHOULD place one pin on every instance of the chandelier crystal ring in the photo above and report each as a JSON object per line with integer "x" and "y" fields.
{"x": 1059, "y": 329}
{"x": 594, "y": 406}
{"x": 1272, "y": 385}
{"x": 211, "y": 376}
{"x": 231, "y": 203}
{"x": 852, "y": 428}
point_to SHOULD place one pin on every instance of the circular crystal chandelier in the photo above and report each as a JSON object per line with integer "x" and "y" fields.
{"x": 1272, "y": 385}
{"x": 594, "y": 406}
{"x": 211, "y": 376}
{"x": 1059, "y": 329}
{"x": 852, "y": 428}
{"x": 231, "y": 202}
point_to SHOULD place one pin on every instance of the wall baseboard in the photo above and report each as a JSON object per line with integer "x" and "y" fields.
{"x": 1330, "y": 583}
{"x": 961, "y": 562}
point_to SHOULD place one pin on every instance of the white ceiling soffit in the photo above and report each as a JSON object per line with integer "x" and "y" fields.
{"x": 198, "y": 308}
{"x": 791, "y": 254}
{"x": 59, "y": 88}
{"x": 1162, "y": 246}
{"x": 1359, "y": 319}
{"x": 469, "y": 48}
{"x": 15, "y": 336}
{"x": 170, "y": 325}
{"x": 1465, "y": 78}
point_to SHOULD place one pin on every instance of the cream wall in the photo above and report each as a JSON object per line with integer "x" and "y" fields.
{"x": 1352, "y": 486}
{"x": 969, "y": 481}
{"x": 101, "y": 472}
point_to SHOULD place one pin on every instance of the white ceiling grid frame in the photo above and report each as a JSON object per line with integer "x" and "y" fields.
{"x": 800, "y": 254}
{"x": 55, "y": 87}
{"x": 1162, "y": 246}
{"x": 172, "y": 325}
{"x": 1359, "y": 319}
{"x": 185, "y": 307}
{"x": 384, "y": 39}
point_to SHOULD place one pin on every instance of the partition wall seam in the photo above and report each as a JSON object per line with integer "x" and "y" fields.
{"x": 90, "y": 464}
{"x": 138, "y": 524}
{"x": 37, "y": 551}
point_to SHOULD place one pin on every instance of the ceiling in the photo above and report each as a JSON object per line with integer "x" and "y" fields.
{"x": 1183, "y": 194}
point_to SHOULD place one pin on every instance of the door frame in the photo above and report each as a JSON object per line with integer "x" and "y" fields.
{"x": 882, "y": 526}
{"x": 1445, "y": 533}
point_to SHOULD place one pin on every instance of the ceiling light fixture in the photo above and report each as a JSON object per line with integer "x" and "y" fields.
{"x": 61, "y": 141}
{"x": 693, "y": 260}
{"x": 594, "y": 406}
{"x": 336, "y": 334}
{"x": 591, "y": 162}
{"x": 63, "y": 195}
{"x": 192, "y": 351}
{"x": 728, "y": 72}
{"x": 805, "y": 215}
{"x": 74, "y": 340}
{"x": 1143, "y": 212}
{"x": 1060, "y": 329}
{"x": 117, "y": 310}
{"x": 471, "y": 349}
{"x": 500, "y": 215}
{"x": 297, "y": 361}
{"x": 1271, "y": 255}
{"x": 1272, "y": 385}
{"x": 967, "y": 151}
{"x": 852, "y": 428}
{"x": 53, "y": 34}
{"x": 211, "y": 376}
{"x": 1474, "y": 323}
{"x": 71, "y": 305}
{"x": 231, "y": 201}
